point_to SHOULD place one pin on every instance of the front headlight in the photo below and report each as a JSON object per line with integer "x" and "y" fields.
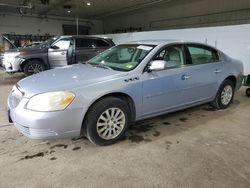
{"x": 52, "y": 101}
{"x": 10, "y": 54}
{"x": 10, "y": 57}
{"x": 9, "y": 60}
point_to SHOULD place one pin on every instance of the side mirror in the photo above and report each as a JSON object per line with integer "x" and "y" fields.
{"x": 157, "y": 65}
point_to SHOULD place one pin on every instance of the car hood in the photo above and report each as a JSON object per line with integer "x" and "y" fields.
{"x": 8, "y": 41}
{"x": 24, "y": 51}
{"x": 66, "y": 78}
{"x": 11, "y": 50}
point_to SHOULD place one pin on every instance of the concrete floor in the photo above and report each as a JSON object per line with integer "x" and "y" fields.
{"x": 197, "y": 147}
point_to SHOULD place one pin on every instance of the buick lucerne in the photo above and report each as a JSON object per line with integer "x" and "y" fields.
{"x": 126, "y": 83}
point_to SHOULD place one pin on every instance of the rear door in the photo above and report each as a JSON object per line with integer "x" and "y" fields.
{"x": 203, "y": 73}
{"x": 85, "y": 49}
{"x": 57, "y": 53}
{"x": 101, "y": 45}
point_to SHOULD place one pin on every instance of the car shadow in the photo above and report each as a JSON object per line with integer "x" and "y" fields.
{"x": 154, "y": 130}
{"x": 173, "y": 123}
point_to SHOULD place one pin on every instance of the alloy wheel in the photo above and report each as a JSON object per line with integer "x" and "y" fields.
{"x": 110, "y": 123}
{"x": 226, "y": 95}
{"x": 35, "y": 68}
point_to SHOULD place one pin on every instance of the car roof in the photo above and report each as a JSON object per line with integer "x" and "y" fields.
{"x": 163, "y": 41}
{"x": 167, "y": 41}
{"x": 85, "y": 36}
{"x": 156, "y": 42}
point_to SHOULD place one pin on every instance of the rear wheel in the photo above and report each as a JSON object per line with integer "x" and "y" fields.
{"x": 224, "y": 95}
{"x": 33, "y": 67}
{"x": 107, "y": 121}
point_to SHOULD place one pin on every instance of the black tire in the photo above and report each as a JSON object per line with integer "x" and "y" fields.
{"x": 33, "y": 67}
{"x": 93, "y": 120}
{"x": 218, "y": 102}
{"x": 248, "y": 92}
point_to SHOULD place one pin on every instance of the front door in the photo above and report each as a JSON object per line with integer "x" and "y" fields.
{"x": 57, "y": 53}
{"x": 162, "y": 90}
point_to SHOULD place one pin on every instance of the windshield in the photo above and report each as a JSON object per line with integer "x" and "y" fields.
{"x": 122, "y": 57}
{"x": 47, "y": 42}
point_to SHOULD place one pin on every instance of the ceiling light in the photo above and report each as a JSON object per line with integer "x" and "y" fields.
{"x": 88, "y": 3}
{"x": 69, "y": 11}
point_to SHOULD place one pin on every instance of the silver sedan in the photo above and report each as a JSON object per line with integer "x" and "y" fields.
{"x": 126, "y": 83}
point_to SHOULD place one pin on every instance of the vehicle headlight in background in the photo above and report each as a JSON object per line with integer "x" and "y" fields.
{"x": 10, "y": 57}
{"x": 51, "y": 101}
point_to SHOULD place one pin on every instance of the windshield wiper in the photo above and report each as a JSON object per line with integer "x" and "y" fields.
{"x": 103, "y": 66}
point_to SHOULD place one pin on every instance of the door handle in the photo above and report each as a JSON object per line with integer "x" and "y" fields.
{"x": 63, "y": 53}
{"x": 217, "y": 71}
{"x": 185, "y": 77}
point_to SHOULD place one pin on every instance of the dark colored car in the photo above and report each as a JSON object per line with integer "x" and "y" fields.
{"x": 55, "y": 52}
{"x": 32, "y": 44}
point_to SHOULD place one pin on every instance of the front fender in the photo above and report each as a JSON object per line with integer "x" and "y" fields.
{"x": 30, "y": 59}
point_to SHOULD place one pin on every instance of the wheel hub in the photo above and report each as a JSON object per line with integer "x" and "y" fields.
{"x": 226, "y": 95}
{"x": 110, "y": 123}
{"x": 35, "y": 68}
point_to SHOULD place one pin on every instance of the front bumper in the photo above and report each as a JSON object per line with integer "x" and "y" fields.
{"x": 12, "y": 65}
{"x": 46, "y": 125}
{"x": 1, "y": 62}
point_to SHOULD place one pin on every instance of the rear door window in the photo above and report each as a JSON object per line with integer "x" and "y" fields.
{"x": 202, "y": 54}
{"x": 85, "y": 43}
{"x": 100, "y": 43}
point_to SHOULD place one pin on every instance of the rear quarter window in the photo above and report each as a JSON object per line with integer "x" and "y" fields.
{"x": 101, "y": 43}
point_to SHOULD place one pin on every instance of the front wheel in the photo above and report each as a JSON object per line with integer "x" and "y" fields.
{"x": 33, "y": 67}
{"x": 248, "y": 92}
{"x": 107, "y": 121}
{"x": 224, "y": 95}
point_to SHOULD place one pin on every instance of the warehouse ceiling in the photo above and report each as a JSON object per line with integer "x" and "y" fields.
{"x": 96, "y": 9}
